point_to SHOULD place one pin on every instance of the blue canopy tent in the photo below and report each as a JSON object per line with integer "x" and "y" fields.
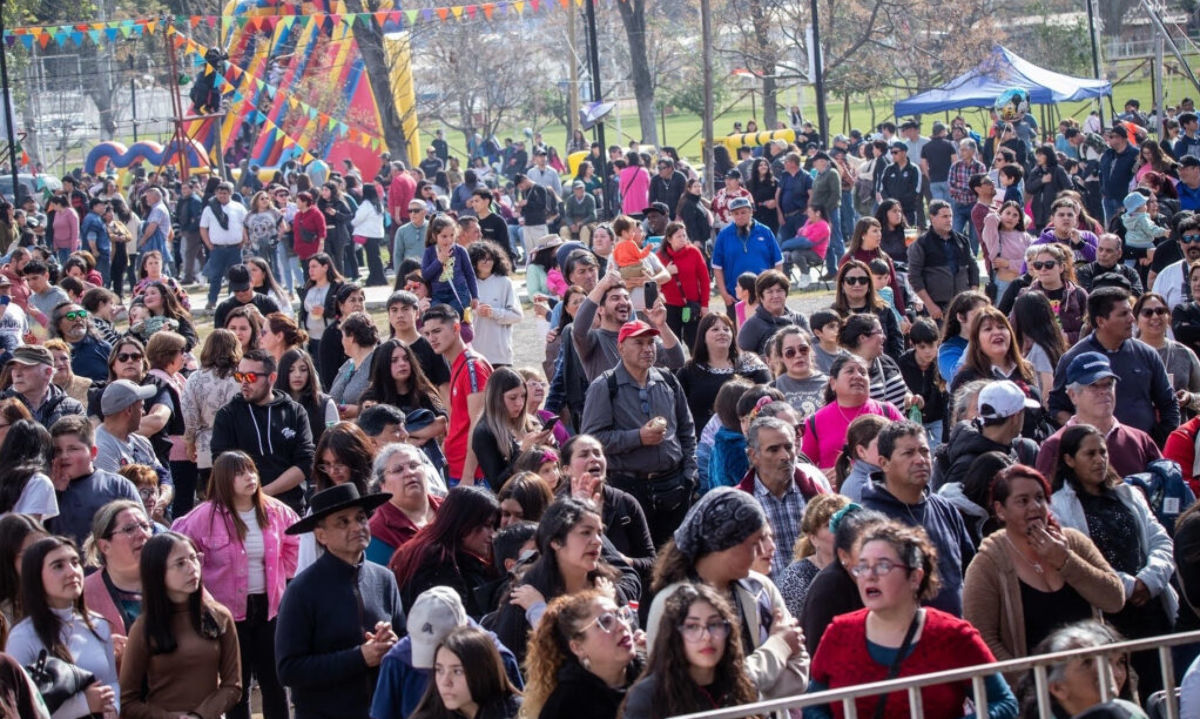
{"x": 1001, "y": 70}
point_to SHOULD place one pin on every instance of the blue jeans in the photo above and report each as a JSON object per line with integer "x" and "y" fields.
{"x": 963, "y": 224}
{"x": 940, "y": 190}
{"x": 837, "y": 243}
{"x": 220, "y": 259}
{"x": 933, "y": 430}
{"x": 62, "y": 256}
{"x": 847, "y": 214}
{"x": 287, "y": 268}
{"x": 1111, "y": 208}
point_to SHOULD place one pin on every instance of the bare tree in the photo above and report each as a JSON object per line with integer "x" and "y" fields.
{"x": 633, "y": 17}
{"x": 379, "y": 67}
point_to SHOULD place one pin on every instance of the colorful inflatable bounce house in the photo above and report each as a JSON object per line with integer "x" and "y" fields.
{"x": 295, "y": 89}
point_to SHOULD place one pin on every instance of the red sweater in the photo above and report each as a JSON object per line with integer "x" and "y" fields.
{"x": 693, "y": 275}
{"x": 946, "y": 642}
{"x": 310, "y": 221}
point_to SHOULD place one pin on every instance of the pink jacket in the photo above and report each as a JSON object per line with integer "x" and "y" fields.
{"x": 98, "y": 600}
{"x": 225, "y": 570}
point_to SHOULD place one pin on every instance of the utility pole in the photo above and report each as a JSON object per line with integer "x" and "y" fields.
{"x": 818, "y": 74}
{"x": 594, "y": 61}
{"x": 180, "y": 139}
{"x": 8, "y": 112}
{"x": 573, "y": 83}
{"x": 1094, "y": 34}
{"x": 706, "y": 58}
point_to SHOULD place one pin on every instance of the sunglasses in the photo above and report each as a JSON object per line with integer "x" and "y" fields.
{"x": 856, "y": 280}
{"x": 245, "y": 377}
{"x": 129, "y": 357}
{"x": 1047, "y": 265}
{"x": 1152, "y": 311}
{"x": 1190, "y": 239}
{"x": 791, "y": 352}
{"x": 75, "y": 315}
{"x": 897, "y": 152}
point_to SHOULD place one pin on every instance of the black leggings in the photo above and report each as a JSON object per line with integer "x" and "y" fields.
{"x": 256, "y": 641}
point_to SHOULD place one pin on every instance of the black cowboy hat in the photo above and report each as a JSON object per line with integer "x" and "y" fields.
{"x": 333, "y": 500}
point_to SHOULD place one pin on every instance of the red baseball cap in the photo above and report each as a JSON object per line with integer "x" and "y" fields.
{"x": 637, "y": 328}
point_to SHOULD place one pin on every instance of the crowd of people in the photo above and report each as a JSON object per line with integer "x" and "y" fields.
{"x": 984, "y": 446}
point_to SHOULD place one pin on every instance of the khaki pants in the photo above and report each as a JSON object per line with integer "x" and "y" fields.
{"x": 584, "y": 235}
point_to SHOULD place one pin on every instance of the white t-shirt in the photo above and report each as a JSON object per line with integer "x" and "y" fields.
{"x": 14, "y": 324}
{"x": 37, "y": 498}
{"x": 1039, "y": 359}
{"x": 1169, "y": 283}
{"x": 256, "y": 578}
{"x": 219, "y": 236}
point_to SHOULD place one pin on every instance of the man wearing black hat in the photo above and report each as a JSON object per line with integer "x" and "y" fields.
{"x": 545, "y": 176}
{"x": 827, "y": 194}
{"x": 667, "y": 186}
{"x": 242, "y": 293}
{"x": 330, "y": 607}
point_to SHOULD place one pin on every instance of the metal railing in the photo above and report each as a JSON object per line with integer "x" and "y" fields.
{"x": 976, "y": 675}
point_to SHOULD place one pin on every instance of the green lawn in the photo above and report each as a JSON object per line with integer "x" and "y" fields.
{"x": 683, "y": 129}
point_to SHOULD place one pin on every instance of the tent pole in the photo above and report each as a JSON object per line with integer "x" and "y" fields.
{"x": 1094, "y": 35}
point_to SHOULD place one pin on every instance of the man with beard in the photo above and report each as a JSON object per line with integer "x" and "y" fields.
{"x": 89, "y": 352}
{"x": 597, "y": 347}
{"x": 640, "y": 414}
{"x": 32, "y": 371}
{"x": 783, "y": 486}
{"x": 1171, "y": 283}
{"x": 336, "y": 617}
{"x": 270, "y": 427}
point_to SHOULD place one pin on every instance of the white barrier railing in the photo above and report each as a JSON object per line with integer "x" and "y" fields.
{"x": 976, "y": 675}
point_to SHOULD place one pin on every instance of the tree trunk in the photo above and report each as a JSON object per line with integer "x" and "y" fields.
{"x": 370, "y": 45}
{"x": 762, "y": 35}
{"x": 633, "y": 16}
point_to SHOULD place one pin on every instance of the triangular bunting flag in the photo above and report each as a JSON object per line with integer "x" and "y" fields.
{"x": 412, "y": 16}
{"x": 488, "y": 9}
{"x": 519, "y": 6}
{"x": 443, "y": 13}
{"x": 458, "y": 11}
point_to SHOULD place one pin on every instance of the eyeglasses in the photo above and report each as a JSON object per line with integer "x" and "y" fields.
{"x": 131, "y": 529}
{"x": 1047, "y": 265}
{"x": 1152, "y": 311}
{"x": 1190, "y": 239}
{"x": 333, "y": 467}
{"x": 148, "y": 492}
{"x": 129, "y": 357}
{"x": 246, "y": 377}
{"x": 856, "y": 280}
{"x": 897, "y": 152}
{"x": 791, "y": 352}
{"x": 880, "y": 568}
{"x": 608, "y": 621}
{"x": 695, "y": 632}
{"x": 75, "y": 315}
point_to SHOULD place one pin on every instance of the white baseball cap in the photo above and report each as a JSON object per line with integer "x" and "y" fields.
{"x": 437, "y": 611}
{"x": 1003, "y": 399}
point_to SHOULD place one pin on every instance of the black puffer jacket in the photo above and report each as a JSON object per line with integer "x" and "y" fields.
{"x": 967, "y": 443}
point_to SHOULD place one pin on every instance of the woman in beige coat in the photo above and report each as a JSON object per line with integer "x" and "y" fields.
{"x": 1032, "y": 562}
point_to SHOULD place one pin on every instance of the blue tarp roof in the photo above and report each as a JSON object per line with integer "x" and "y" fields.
{"x": 1001, "y": 70}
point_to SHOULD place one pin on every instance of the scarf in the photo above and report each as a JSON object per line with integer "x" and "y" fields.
{"x": 219, "y": 213}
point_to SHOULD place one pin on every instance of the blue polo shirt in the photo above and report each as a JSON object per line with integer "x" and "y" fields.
{"x": 1189, "y": 199}
{"x": 733, "y": 254}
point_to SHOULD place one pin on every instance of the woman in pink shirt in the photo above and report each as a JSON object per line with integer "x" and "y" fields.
{"x": 65, "y": 224}
{"x": 247, "y": 562}
{"x": 635, "y": 186}
{"x": 847, "y": 397}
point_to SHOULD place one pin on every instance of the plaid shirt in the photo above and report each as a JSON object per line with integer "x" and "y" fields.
{"x": 960, "y": 175}
{"x": 784, "y": 514}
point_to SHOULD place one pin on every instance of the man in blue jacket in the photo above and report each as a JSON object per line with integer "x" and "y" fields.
{"x": 94, "y": 235}
{"x": 336, "y": 618}
{"x": 1116, "y": 170}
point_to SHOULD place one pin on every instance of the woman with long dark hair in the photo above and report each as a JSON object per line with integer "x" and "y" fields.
{"x": 150, "y": 269}
{"x": 262, "y": 281}
{"x": 866, "y": 245}
{"x": 182, "y": 657}
{"x": 992, "y": 353}
{"x": 686, "y": 294}
{"x": 454, "y": 550}
{"x": 17, "y": 533}
{"x": 318, "y": 308}
{"x": 397, "y": 379}
{"x": 696, "y": 662}
{"x": 338, "y": 217}
{"x": 240, "y": 532}
{"x": 506, "y": 428}
{"x": 856, "y": 294}
{"x": 348, "y": 299}
{"x": 1038, "y": 337}
{"x": 892, "y": 224}
{"x": 298, "y": 379}
{"x": 715, "y": 360}
{"x": 1089, "y": 496}
{"x": 763, "y": 186}
{"x": 1043, "y": 183}
{"x": 368, "y": 224}
{"x": 468, "y": 680}
{"x": 165, "y": 313}
{"x": 25, "y": 486}
{"x": 57, "y": 622}
{"x": 570, "y": 561}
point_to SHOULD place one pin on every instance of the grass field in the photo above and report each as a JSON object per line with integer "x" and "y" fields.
{"x": 683, "y": 130}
